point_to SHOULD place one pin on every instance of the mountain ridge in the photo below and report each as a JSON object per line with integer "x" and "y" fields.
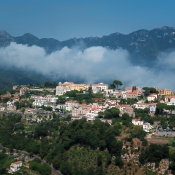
{"x": 144, "y": 47}
{"x": 133, "y": 41}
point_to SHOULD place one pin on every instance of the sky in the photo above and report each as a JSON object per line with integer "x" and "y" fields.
{"x": 65, "y": 19}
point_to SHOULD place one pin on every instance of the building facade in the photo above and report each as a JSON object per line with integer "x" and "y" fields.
{"x": 62, "y": 88}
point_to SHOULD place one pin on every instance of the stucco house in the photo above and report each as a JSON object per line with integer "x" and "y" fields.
{"x": 137, "y": 121}
{"x": 15, "y": 167}
{"x": 147, "y": 127}
{"x": 152, "y": 97}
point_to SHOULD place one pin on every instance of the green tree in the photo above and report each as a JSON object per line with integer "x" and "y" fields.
{"x": 117, "y": 83}
{"x": 138, "y": 132}
{"x": 112, "y": 86}
{"x": 111, "y": 113}
{"x": 160, "y": 108}
{"x": 134, "y": 88}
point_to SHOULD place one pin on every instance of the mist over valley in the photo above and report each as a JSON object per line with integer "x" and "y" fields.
{"x": 144, "y": 58}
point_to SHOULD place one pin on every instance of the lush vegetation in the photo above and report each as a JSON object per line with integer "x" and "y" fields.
{"x": 111, "y": 113}
{"x": 129, "y": 101}
{"x": 8, "y": 78}
{"x": 81, "y": 97}
{"x": 37, "y": 167}
{"x": 64, "y": 145}
{"x": 115, "y": 84}
{"x": 149, "y": 90}
{"x": 162, "y": 106}
{"x": 5, "y": 162}
{"x": 154, "y": 153}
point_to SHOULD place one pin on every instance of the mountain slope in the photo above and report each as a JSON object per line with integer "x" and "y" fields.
{"x": 143, "y": 43}
{"x": 9, "y": 78}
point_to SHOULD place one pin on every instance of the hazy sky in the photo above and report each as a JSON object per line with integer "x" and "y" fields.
{"x": 64, "y": 19}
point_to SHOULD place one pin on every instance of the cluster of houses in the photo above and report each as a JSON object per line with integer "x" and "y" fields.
{"x": 62, "y": 88}
{"x": 91, "y": 111}
{"x": 138, "y": 122}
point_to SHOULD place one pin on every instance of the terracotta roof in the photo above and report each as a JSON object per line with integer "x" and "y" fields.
{"x": 152, "y": 95}
{"x": 134, "y": 92}
{"x": 15, "y": 163}
{"x": 136, "y": 119}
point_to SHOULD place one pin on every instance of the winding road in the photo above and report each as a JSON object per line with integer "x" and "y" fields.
{"x": 56, "y": 172}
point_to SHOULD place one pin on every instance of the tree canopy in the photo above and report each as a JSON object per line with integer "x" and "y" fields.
{"x": 111, "y": 113}
{"x": 116, "y": 84}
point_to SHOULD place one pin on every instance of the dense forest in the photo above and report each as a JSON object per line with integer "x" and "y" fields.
{"x": 58, "y": 143}
{"x": 78, "y": 147}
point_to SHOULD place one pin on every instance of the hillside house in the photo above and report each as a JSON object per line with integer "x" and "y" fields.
{"x": 152, "y": 97}
{"x": 133, "y": 94}
{"x": 11, "y": 105}
{"x": 15, "y": 167}
{"x": 81, "y": 110}
{"x": 69, "y": 105}
{"x": 140, "y": 105}
{"x": 15, "y": 87}
{"x": 2, "y": 108}
{"x": 152, "y": 107}
{"x": 137, "y": 121}
{"x": 129, "y": 111}
{"x": 62, "y": 88}
{"x": 23, "y": 91}
{"x": 97, "y": 87}
{"x": 128, "y": 89}
{"x": 147, "y": 126}
{"x": 170, "y": 100}
{"x": 166, "y": 92}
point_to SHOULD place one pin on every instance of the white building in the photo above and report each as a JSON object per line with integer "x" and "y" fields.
{"x": 62, "y": 88}
{"x": 2, "y": 108}
{"x": 15, "y": 167}
{"x": 53, "y": 99}
{"x": 124, "y": 94}
{"x": 69, "y": 105}
{"x": 170, "y": 98}
{"x": 97, "y": 87}
{"x": 152, "y": 97}
{"x": 10, "y": 104}
{"x": 61, "y": 106}
{"x": 170, "y": 101}
{"x": 152, "y": 107}
{"x": 140, "y": 105}
{"x": 23, "y": 91}
{"x": 147, "y": 127}
{"x": 90, "y": 116}
{"x": 39, "y": 100}
{"x": 137, "y": 121}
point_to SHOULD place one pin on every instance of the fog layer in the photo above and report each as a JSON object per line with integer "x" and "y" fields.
{"x": 94, "y": 64}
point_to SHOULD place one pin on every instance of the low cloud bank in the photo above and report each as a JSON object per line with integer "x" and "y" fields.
{"x": 94, "y": 64}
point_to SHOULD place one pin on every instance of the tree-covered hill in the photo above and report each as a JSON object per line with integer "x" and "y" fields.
{"x": 9, "y": 78}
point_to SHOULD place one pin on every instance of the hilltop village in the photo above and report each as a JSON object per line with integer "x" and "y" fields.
{"x": 90, "y": 101}
{"x": 140, "y": 116}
